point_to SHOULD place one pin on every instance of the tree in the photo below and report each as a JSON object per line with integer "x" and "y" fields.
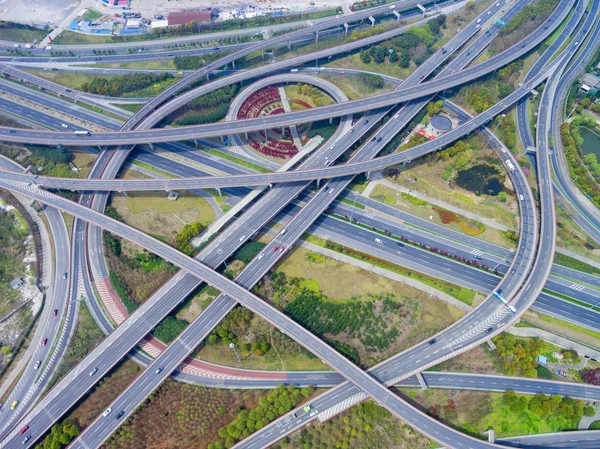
{"x": 404, "y": 59}
{"x": 6, "y": 350}
{"x": 365, "y": 57}
{"x": 502, "y": 196}
{"x": 588, "y": 410}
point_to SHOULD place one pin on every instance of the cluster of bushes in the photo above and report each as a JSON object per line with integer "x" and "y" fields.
{"x": 183, "y": 237}
{"x": 591, "y": 376}
{"x": 195, "y": 62}
{"x": 169, "y": 328}
{"x": 60, "y": 435}
{"x": 249, "y": 251}
{"x": 540, "y": 8}
{"x": 122, "y": 292}
{"x": 209, "y": 108}
{"x": 54, "y": 161}
{"x": 280, "y": 401}
{"x": 357, "y": 319}
{"x": 545, "y": 406}
{"x": 372, "y": 81}
{"x": 118, "y": 86}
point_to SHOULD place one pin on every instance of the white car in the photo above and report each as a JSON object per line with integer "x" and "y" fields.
{"x": 261, "y": 256}
{"x": 521, "y": 197}
{"x": 64, "y": 125}
{"x": 242, "y": 238}
{"x": 37, "y": 364}
{"x": 314, "y": 413}
{"x": 107, "y": 412}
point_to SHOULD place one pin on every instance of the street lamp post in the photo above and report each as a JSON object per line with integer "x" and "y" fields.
{"x": 232, "y": 347}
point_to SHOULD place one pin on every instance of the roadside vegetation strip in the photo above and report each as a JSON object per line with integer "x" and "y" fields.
{"x": 571, "y": 262}
{"x": 569, "y": 325}
{"x": 462, "y": 294}
{"x": 236, "y": 160}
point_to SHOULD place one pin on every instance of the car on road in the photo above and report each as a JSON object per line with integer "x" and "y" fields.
{"x": 64, "y": 276}
{"x": 107, "y": 412}
{"x": 27, "y": 438}
{"x": 373, "y": 139}
{"x": 159, "y": 369}
{"x": 24, "y": 429}
{"x": 242, "y": 238}
{"x": 121, "y": 413}
{"x": 261, "y": 256}
{"x": 307, "y": 408}
{"x": 275, "y": 249}
{"x": 14, "y": 405}
{"x": 366, "y": 121}
{"x": 68, "y": 90}
{"x": 169, "y": 54}
{"x": 513, "y": 271}
{"x": 12, "y": 131}
{"x": 433, "y": 341}
{"x": 92, "y": 372}
{"x": 64, "y": 125}
{"x": 44, "y": 342}
{"x": 315, "y": 412}
{"x": 400, "y": 244}
{"x": 489, "y": 330}
{"x": 282, "y": 249}
{"x": 37, "y": 364}
{"x": 379, "y": 140}
{"x": 284, "y": 231}
{"x": 55, "y": 312}
{"x": 379, "y": 241}
{"x": 521, "y": 197}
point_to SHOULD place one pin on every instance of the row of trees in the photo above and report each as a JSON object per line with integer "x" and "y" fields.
{"x": 118, "y": 86}
{"x": 518, "y": 356}
{"x": 209, "y": 108}
{"x": 60, "y": 435}
{"x": 183, "y": 237}
{"x": 280, "y": 401}
{"x": 539, "y": 8}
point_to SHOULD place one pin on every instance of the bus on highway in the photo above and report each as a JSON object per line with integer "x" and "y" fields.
{"x": 82, "y": 133}
{"x": 505, "y": 302}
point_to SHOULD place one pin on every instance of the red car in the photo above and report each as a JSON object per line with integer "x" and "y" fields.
{"x": 24, "y": 429}
{"x": 55, "y": 313}
{"x": 275, "y": 249}
{"x": 44, "y": 341}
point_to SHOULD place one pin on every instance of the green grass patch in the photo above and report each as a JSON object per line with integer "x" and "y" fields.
{"x": 574, "y": 327}
{"x": 18, "y": 32}
{"x": 413, "y": 199}
{"x": 149, "y": 167}
{"x": 236, "y": 160}
{"x": 595, "y": 425}
{"x": 352, "y": 203}
{"x": 131, "y": 107}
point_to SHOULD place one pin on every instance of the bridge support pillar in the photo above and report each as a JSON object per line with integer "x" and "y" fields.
{"x": 207, "y": 76}
{"x": 318, "y": 183}
{"x": 346, "y": 28}
{"x": 330, "y": 120}
{"x": 262, "y": 54}
{"x": 491, "y": 436}
{"x": 289, "y": 44}
{"x": 422, "y": 382}
{"x": 219, "y": 191}
{"x": 372, "y": 19}
{"x": 196, "y": 142}
{"x": 151, "y": 145}
{"x": 317, "y": 37}
{"x": 266, "y": 137}
{"x": 233, "y": 64}
{"x": 368, "y": 176}
{"x": 491, "y": 345}
{"x": 398, "y": 15}
{"x": 222, "y": 139}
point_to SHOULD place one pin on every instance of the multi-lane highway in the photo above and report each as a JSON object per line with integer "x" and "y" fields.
{"x": 454, "y": 339}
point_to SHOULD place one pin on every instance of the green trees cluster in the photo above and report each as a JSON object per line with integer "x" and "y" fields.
{"x": 195, "y": 62}
{"x": 316, "y": 94}
{"x": 112, "y": 243}
{"x": 183, "y": 237}
{"x": 434, "y": 107}
{"x": 546, "y": 406}
{"x": 249, "y": 251}
{"x": 372, "y": 81}
{"x": 169, "y": 328}
{"x": 209, "y": 108}
{"x": 60, "y": 435}
{"x": 118, "y": 86}
{"x": 235, "y": 323}
{"x": 280, "y": 401}
{"x": 517, "y": 356}
{"x": 481, "y": 97}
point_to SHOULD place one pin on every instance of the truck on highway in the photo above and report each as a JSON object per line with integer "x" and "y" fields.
{"x": 509, "y": 165}
{"x": 82, "y": 133}
{"x": 505, "y": 302}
